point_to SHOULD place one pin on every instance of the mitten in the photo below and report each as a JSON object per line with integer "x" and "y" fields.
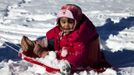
{"x": 65, "y": 67}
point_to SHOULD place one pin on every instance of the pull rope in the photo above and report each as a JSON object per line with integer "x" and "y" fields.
{"x": 9, "y": 45}
{"x": 12, "y": 48}
{"x": 9, "y": 41}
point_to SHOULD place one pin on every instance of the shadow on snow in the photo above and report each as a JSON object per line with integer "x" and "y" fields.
{"x": 123, "y": 58}
{"x": 7, "y": 53}
{"x": 113, "y": 28}
{"x": 120, "y": 59}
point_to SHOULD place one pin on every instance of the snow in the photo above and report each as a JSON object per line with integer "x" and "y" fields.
{"x": 64, "y": 52}
{"x": 113, "y": 19}
{"x": 51, "y": 61}
{"x": 125, "y": 41}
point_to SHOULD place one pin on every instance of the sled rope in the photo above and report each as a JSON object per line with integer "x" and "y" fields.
{"x": 11, "y": 46}
{"x": 9, "y": 41}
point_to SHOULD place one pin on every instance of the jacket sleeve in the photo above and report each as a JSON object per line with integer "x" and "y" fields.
{"x": 50, "y": 35}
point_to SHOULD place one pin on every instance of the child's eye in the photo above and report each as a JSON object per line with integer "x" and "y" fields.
{"x": 63, "y": 21}
{"x": 67, "y": 20}
{"x": 70, "y": 21}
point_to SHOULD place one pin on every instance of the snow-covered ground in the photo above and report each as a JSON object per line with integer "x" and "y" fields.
{"x": 114, "y": 20}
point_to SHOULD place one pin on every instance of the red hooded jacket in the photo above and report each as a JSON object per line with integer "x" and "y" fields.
{"x": 82, "y": 45}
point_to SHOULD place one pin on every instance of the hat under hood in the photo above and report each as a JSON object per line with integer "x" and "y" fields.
{"x": 70, "y": 11}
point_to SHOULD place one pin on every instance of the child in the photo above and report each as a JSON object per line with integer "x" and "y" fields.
{"x": 73, "y": 39}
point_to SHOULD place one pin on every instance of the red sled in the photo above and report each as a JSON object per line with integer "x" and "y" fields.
{"x": 34, "y": 61}
{"x": 54, "y": 70}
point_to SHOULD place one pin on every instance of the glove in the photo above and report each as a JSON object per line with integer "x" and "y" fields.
{"x": 65, "y": 67}
{"x": 39, "y": 51}
{"x": 27, "y": 44}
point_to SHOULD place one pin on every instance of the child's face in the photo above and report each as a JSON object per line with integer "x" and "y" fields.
{"x": 67, "y": 23}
